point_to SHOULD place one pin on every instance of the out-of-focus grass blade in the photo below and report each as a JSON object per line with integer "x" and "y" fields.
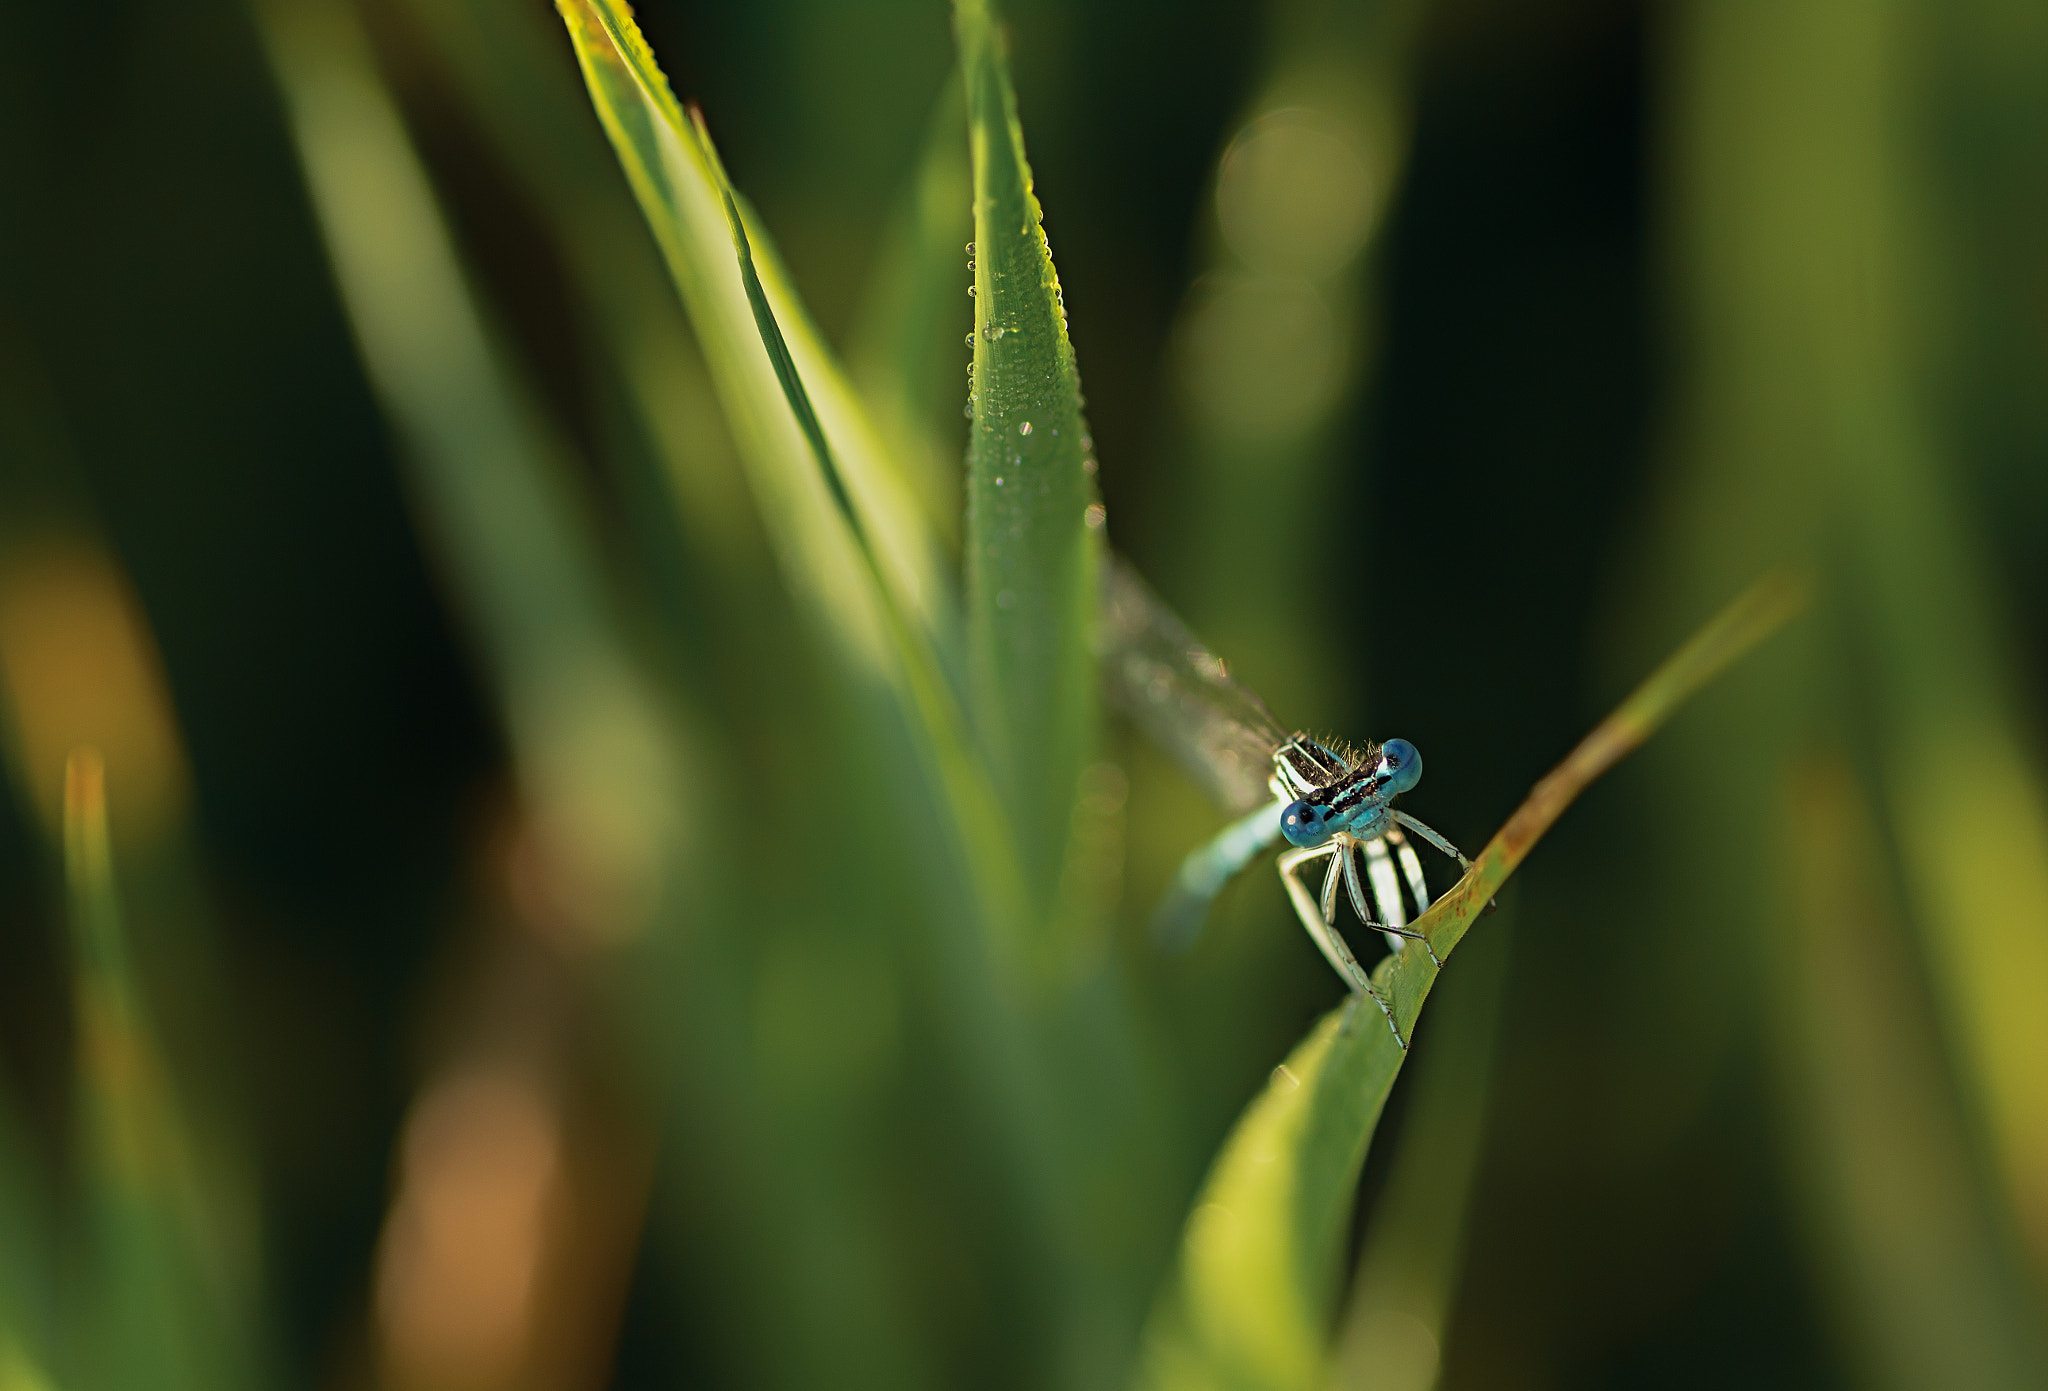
{"x": 83, "y": 700}
{"x": 905, "y": 346}
{"x": 1032, "y": 523}
{"x": 1811, "y": 229}
{"x": 26, "y": 1276}
{"x": 1922, "y": 1284}
{"x": 592, "y": 746}
{"x": 604, "y": 756}
{"x": 1972, "y": 815}
{"x": 506, "y": 62}
{"x": 674, "y": 174}
{"x": 158, "y": 1312}
{"x": 19, "y": 1371}
{"x": 1401, "y": 1297}
{"x": 1249, "y": 1305}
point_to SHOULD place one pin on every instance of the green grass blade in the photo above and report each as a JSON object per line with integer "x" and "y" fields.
{"x": 19, "y": 1371}
{"x": 1972, "y": 819}
{"x": 505, "y": 62}
{"x": 674, "y": 169}
{"x": 1259, "y": 1253}
{"x": 904, "y": 348}
{"x": 674, "y": 173}
{"x": 26, "y": 1275}
{"x": 1043, "y": 1119}
{"x": 1758, "y": 612}
{"x": 958, "y": 770}
{"x": 786, "y": 374}
{"x": 1813, "y": 223}
{"x": 592, "y": 744}
{"x": 609, "y": 776}
{"x": 1402, "y": 1295}
{"x": 171, "y": 1243}
{"x": 968, "y": 847}
{"x": 160, "y": 1310}
{"x": 1031, "y": 554}
{"x": 1249, "y": 1305}
{"x": 1894, "y": 1217}
{"x": 1087, "y": 1300}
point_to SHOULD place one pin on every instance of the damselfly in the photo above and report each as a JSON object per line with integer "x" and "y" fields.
{"x": 1328, "y": 802}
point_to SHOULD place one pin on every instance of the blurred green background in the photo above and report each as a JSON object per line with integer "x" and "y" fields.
{"x": 1447, "y": 363}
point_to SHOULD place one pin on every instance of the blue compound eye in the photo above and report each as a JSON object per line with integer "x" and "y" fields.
{"x": 1404, "y": 764}
{"x": 1305, "y": 824}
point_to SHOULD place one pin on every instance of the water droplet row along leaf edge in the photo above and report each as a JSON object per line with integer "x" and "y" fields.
{"x": 1031, "y": 556}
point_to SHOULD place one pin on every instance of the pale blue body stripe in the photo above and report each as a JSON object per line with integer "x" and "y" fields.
{"x": 1205, "y": 871}
{"x": 1368, "y": 822}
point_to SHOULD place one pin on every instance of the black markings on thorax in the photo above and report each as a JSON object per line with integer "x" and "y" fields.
{"x": 1360, "y": 786}
{"x": 1341, "y": 778}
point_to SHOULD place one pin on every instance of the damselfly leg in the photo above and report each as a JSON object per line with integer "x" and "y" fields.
{"x": 1333, "y": 947}
{"x": 1319, "y": 916}
{"x": 1440, "y": 843}
{"x": 1431, "y": 836}
{"x": 1386, "y": 888}
{"x": 1411, "y": 868}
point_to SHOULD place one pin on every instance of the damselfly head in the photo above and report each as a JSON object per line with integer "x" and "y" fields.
{"x": 1401, "y": 764}
{"x": 1305, "y": 824}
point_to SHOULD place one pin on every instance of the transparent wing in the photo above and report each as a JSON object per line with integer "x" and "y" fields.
{"x": 1180, "y": 694}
